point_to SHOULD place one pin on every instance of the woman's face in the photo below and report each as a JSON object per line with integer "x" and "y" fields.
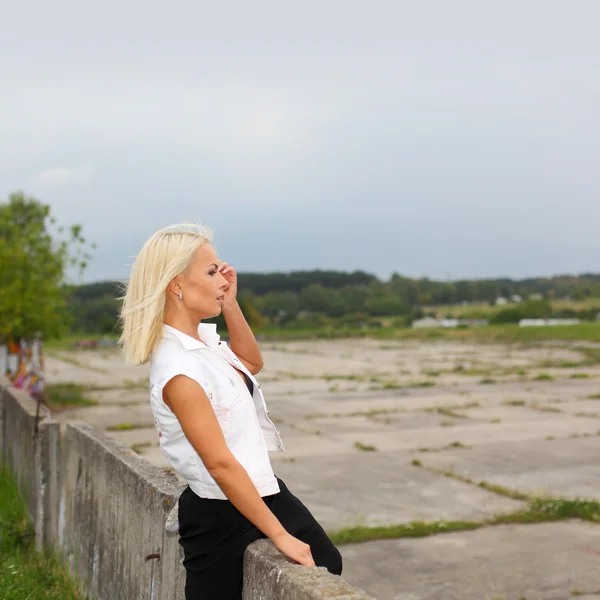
{"x": 201, "y": 284}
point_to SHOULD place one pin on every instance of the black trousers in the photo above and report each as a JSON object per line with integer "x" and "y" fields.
{"x": 214, "y": 536}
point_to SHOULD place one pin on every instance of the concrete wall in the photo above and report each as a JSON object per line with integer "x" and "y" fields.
{"x": 104, "y": 509}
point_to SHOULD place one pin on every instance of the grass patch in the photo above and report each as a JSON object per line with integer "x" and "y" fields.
{"x": 487, "y": 381}
{"x": 496, "y": 420}
{"x": 329, "y": 378}
{"x": 541, "y": 408}
{"x": 538, "y": 510}
{"x": 456, "y": 445}
{"x": 593, "y": 397}
{"x": 472, "y": 371}
{"x": 592, "y": 355}
{"x": 290, "y": 375}
{"x": 432, "y": 373}
{"x": 419, "y": 384}
{"x": 485, "y": 335}
{"x": 374, "y": 412}
{"x": 446, "y": 411}
{"x": 543, "y": 377}
{"x": 514, "y": 403}
{"x": 139, "y": 448}
{"x": 559, "y": 364}
{"x": 61, "y": 395}
{"x": 24, "y": 573}
{"x": 580, "y": 376}
{"x": 126, "y": 426}
{"x": 391, "y": 385}
{"x": 364, "y": 447}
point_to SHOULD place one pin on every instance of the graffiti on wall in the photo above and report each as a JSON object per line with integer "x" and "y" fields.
{"x": 23, "y": 364}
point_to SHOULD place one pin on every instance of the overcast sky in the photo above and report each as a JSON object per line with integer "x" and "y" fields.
{"x": 448, "y": 139}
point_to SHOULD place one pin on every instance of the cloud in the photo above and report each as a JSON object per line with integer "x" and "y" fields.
{"x": 59, "y": 178}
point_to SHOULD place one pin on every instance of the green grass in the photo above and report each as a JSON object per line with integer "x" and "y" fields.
{"x": 24, "y": 573}
{"x": 536, "y": 510}
{"x": 514, "y": 403}
{"x": 60, "y": 395}
{"x": 140, "y": 447}
{"x": 543, "y": 377}
{"x": 432, "y": 373}
{"x": 594, "y": 397}
{"x": 68, "y": 342}
{"x": 446, "y": 411}
{"x": 487, "y": 381}
{"x": 364, "y": 447}
{"x": 542, "y": 408}
{"x": 121, "y": 427}
{"x": 580, "y": 376}
{"x": 489, "y": 334}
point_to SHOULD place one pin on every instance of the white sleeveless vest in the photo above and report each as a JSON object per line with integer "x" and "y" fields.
{"x": 248, "y": 431}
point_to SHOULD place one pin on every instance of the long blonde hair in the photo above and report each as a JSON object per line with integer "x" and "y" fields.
{"x": 165, "y": 255}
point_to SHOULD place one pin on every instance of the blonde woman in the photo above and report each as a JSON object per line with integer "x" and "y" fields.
{"x": 212, "y": 420}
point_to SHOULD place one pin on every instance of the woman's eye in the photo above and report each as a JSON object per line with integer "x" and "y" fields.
{"x": 212, "y": 272}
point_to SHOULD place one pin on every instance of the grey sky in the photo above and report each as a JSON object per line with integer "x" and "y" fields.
{"x": 429, "y": 138}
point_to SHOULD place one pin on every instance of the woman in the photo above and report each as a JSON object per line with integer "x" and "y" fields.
{"x": 211, "y": 416}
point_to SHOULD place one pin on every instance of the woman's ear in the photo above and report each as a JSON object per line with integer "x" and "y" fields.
{"x": 174, "y": 286}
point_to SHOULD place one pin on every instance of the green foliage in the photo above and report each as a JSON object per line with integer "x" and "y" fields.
{"x": 94, "y": 308}
{"x": 34, "y": 261}
{"x": 533, "y": 309}
{"x": 58, "y": 395}
{"x": 334, "y": 303}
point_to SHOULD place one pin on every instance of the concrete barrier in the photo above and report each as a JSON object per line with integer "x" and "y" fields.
{"x": 103, "y": 508}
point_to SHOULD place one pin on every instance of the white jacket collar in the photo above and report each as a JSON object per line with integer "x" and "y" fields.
{"x": 207, "y": 332}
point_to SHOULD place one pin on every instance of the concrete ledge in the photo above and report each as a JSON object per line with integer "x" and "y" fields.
{"x": 268, "y": 575}
{"x": 104, "y": 509}
{"x": 113, "y": 507}
{"x": 27, "y": 443}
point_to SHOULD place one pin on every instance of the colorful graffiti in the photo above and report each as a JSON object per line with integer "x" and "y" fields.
{"x": 22, "y": 362}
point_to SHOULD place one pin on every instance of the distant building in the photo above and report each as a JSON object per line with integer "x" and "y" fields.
{"x": 516, "y": 298}
{"x": 500, "y": 301}
{"x": 425, "y": 323}
{"x": 449, "y": 323}
{"x": 546, "y": 322}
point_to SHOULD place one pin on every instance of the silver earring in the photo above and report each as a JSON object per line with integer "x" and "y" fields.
{"x": 180, "y": 296}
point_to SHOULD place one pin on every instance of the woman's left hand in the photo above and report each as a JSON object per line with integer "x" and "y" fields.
{"x": 231, "y": 276}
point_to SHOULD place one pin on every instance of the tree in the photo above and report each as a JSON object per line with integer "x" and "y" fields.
{"x": 33, "y": 264}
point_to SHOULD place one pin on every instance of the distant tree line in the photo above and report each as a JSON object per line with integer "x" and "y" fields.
{"x": 314, "y": 298}
{"x": 36, "y": 300}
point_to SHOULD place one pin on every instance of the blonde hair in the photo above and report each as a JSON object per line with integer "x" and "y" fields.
{"x": 165, "y": 255}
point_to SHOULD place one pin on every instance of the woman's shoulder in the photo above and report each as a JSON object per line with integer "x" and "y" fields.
{"x": 169, "y": 356}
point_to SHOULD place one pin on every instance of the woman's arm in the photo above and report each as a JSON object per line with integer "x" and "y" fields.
{"x": 241, "y": 339}
{"x": 197, "y": 418}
